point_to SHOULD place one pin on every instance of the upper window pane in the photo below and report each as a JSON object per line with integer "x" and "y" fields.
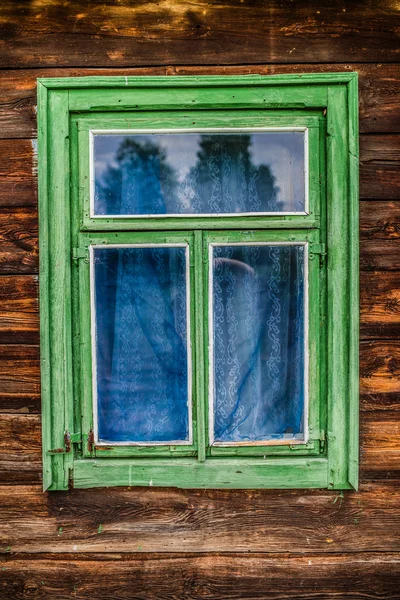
{"x": 203, "y": 173}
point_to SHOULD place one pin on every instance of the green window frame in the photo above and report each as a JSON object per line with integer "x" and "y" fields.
{"x": 69, "y": 111}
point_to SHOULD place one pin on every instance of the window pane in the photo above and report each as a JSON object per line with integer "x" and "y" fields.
{"x": 199, "y": 173}
{"x": 141, "y": 344}
{"x": 258, "y": 335}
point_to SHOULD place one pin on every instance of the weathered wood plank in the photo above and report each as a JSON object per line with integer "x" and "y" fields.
{"x": 380, "y": 167}
{"x": 20, "y": 448}
{"x": 379, "y": 236}
{"x": 380, "y": 304}
{"x": 380, "y": 447}
{"x": 18, "y": 240}
{"x": 19, "y": 315}
{"x": 379, "y": 89}
{"x": 19, "y": 379}
{"x": 139, "y": 520}
{"x": 18, "y": 173}
{"x": 209, "y": 577}
{"x": 380, "y": 366}
{"x": 109, "y": 34}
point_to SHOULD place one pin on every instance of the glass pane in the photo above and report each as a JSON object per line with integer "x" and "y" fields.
{"x": 258, "y": 324}
{"x": 141, "y": 344}
{"x": 199, "y": 173}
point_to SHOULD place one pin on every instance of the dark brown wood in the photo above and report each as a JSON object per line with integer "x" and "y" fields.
{"x": 380, "y": 452}
{"x": 380, "y": 366}
{"x": 138, "y": 520}
{"x": 20, "y": 448}
{"x": 19, "y": 380}
{"x": 380, "y": 305}
{"x": 379, "y": 236}
{"x": 19, "y": 318}
{"x": 205, "y": 33}
{"x": 380, "y": 167}
{"x": 379, "y": 89}
{"x": 210, "y": 577}
{"x": 18, "y": 173}
{"x": 18, "y": 240}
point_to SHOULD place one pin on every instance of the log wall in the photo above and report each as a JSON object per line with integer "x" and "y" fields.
{"x": 200, "y": 544}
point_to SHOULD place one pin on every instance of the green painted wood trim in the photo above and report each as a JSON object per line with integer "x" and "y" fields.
{"x": 342, "y": 195}
{"x": 213, "y": 473}
{"x": 197, "y": 80}
{"x": 55, "y": 305}
{"x": 353, "y": 195}
{"x": 44, "y": 291}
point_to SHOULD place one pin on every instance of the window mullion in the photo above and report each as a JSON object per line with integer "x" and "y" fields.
{"x": 200, "y": 350}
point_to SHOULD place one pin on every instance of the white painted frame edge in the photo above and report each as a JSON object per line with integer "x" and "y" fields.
{"x": 94, "y": 132}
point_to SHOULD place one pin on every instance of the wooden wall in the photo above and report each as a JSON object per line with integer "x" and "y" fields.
{"x": 167, "y": 543}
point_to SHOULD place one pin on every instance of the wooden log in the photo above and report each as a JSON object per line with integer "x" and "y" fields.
{"x": 20, "y": 460}
{"x": 379, "y": 236}
{"x": 18, "y": 173}
{"x": 19, "y": 379}
{"x": 140, "y": 520}
{"x": 380, "y": 448}
{"x": 19, "y": 317}
{"x": 108, "y": 34}
{"x": 380, "y": 366}
{"x": 380, "y": 167}
{"x": 379, "y": 88}
{"x": 18, "y": 240}
{"x": 206, "y": 577}
{"x": 379, "y": 305}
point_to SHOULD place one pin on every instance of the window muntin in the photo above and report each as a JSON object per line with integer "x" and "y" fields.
{"x": 141, "y": 347}
{"x": 258, "y": 328}
{"x": 199, "y": 172}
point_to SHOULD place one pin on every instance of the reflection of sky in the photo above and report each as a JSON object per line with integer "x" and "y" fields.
{"x": 282, "y": 152}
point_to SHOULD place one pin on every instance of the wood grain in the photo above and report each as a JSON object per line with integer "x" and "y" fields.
{"x": 206, "y": 577}
{"x": 380, "y": 451}
{"x": 104, "y": 34}
{"x": 18, "y": 240}
{"x": 139, "y": 520}
{"x": 19, "y": 316}
{"x": 19, "y": 379}
{"x": 380, "y": 167}
{"x": 379, "y": 88}
{"x": 380, "y": 305}
{"x": 379, "y": 236}
{"x": 18, "y": 173}
{"x": 20, "y": 448}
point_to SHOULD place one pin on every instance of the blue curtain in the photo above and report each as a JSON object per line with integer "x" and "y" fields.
{"x": 141, "y": 344}
{"x": 258, "y": 342}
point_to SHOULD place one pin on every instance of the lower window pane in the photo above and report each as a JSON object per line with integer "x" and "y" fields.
{"x": 141, "y": 349}
{"x": 257, "y": 362}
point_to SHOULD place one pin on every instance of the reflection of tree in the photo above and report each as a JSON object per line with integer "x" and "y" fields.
{"x": 223, "y": 180}
{"x": 142, "y": 183}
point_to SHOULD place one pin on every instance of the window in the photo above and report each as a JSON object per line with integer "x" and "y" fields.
{"x": 198, "y": 281}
